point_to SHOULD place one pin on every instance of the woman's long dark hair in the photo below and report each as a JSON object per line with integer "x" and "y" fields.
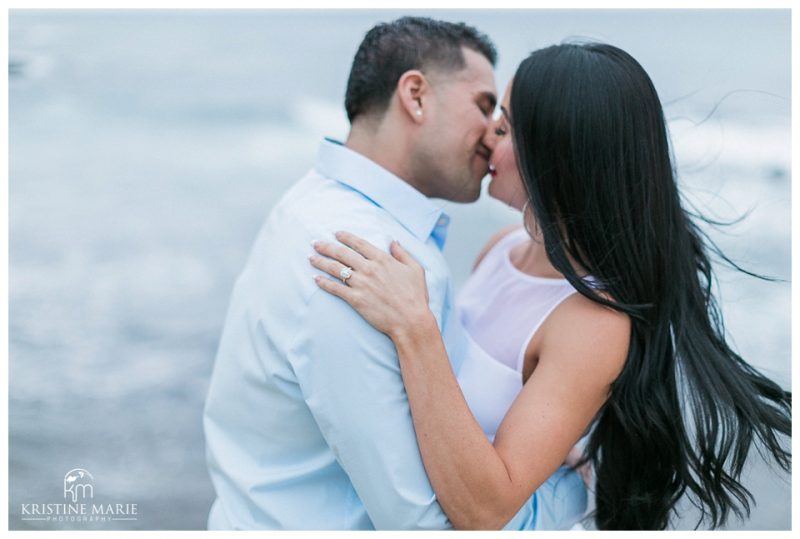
{"x": 593, "y": 149}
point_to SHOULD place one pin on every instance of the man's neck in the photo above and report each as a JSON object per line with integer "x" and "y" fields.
{"x": 389, "y": 154}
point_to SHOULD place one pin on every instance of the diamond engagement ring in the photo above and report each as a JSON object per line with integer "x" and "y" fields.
{"x": 345, "y": 274}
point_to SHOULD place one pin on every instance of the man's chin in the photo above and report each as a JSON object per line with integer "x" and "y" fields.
{"x": 467, "y": 193}
{"x": 469, "y": 197}
{"x": 473, "y": 199}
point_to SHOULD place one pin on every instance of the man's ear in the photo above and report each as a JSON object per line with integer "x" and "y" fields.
{"x": 412, "y": 91}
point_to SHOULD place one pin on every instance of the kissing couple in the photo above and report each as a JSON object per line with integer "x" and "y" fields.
{"x": 353, "y": 389}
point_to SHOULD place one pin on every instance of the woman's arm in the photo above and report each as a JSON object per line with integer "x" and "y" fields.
{"x": 469, "y": 476}
{"x": 480, "y": 485}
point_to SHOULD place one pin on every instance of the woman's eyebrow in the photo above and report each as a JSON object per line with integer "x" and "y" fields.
{"x": 505, "y": 113}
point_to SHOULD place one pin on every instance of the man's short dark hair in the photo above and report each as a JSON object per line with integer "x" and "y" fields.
{"x": 390, "y": 49}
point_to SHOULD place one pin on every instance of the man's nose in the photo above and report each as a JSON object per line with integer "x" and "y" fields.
{"x": 490, "y": 137}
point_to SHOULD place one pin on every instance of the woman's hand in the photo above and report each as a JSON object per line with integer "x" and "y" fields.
{"x": 389, "y": 291}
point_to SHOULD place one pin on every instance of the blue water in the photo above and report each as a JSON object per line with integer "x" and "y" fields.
{"x": 145, "y": 149}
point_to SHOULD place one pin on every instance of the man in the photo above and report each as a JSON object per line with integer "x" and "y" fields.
{"x": 307, "y": 422}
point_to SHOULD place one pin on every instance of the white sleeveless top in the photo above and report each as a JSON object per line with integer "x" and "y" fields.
{"x": 501, "y": 308}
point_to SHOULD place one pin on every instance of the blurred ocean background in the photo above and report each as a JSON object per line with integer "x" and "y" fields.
{"x": 146, "y": 148}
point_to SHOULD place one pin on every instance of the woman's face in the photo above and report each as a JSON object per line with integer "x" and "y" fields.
{"x": 506, "y": 184}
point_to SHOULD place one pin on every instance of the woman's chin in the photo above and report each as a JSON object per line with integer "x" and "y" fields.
{"x": 492, "y": 192}
{"x": 492, "y": 195}
{"x": 502, "y": 197}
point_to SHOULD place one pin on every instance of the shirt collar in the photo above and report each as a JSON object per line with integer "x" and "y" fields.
{"x": 412, "y": 209}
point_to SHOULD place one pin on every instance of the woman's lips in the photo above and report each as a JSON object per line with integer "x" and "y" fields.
{"x": 492, "y": 171}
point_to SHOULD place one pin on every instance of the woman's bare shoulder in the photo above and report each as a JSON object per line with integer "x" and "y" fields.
{"x": 588, "y": 336}
{"x": 496, "y": 237}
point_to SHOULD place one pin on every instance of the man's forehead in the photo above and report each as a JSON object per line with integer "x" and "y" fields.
{"x": 476, "y": 66}
{"x": 478, "y": 74}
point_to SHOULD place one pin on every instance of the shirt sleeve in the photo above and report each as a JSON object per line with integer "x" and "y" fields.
{"x": 350, "y": 378}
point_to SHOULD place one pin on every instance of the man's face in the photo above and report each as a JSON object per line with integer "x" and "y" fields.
{"x": 451, "y": 157}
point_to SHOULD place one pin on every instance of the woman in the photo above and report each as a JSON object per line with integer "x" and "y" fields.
{"x": 630, "y": 344}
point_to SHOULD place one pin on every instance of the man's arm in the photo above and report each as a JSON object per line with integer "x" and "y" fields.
{"x": 350, "y": 378}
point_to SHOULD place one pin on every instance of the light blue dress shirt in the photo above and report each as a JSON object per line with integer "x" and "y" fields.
{"x": 307, "y": 421}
